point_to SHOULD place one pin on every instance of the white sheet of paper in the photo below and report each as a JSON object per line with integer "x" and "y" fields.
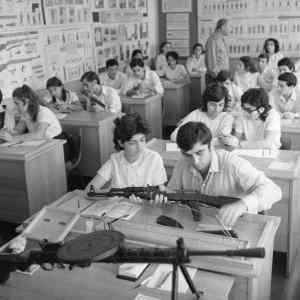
{"x": 144, "y": 297}
{"x": 280, "y": 165}
{"x": 266, "y": 153}
{"x": 172, "y": 147}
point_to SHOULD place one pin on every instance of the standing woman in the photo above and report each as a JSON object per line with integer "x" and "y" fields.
{"x": 195, "y": 64}
{"x": 36, "y": 122}
{"x": 161, "y": 60}
{"x": 271, "y": 47}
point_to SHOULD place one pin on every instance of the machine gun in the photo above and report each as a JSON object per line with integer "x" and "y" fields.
{"x": 107, "y": 247}
{"x": 149, "y": 192}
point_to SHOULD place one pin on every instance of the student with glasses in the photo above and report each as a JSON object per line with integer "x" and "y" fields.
{"x": 259, "y": 125}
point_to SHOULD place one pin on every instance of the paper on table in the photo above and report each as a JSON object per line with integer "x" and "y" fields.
{"x": 133, "y": 270}
{"x": 266, "y": 153}
{"x": 209, "y": 222}
{"x": 76, "y": 204}
{"x": 280, "y": 165}
{"x": 99, "y": 208}
{"x": 172, "y": 147}
{"x": 60, "y": 116}
{"x": 160, "y": 281}
{"x": 144, "y": 297}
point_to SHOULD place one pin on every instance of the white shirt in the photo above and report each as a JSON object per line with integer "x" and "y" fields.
{"x": 161, "y": 64}
{"x": 147, "y": 170}
{"x": 254, "y": 131}
{"x": 221, "y": 125}
{"x": 268, "y": 79}
{"x": 273, "y": 61}
{"x": 179, "y": 73}
{"x": 228, "y": 175}
{"x": 116, "y": 83}
{"x": 150, "y": 83}
{"x": 196, "y": 65}
{"x": 110, "y": 98}
{"x": 246, "y": 80}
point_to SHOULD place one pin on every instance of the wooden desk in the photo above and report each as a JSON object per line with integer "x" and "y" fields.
{"x": 252, "y": 276}
{"x": 149, "y": 108}
{"x": 176, "y": 102}
{"x": 30, "y": 177}
{"x": 197, "y": 88}
{"x": 97, "y": 135}
{"x": 290, "y": 130}
{"x": 288, "y": 236}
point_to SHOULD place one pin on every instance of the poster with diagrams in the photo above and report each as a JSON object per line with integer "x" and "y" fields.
{"x": 119, "y": 27}
{"x": 21, "y": 61}
{"x": 20, "y": 13}
{"x": 68, "y": 52}
{"x": 251, "y": 22}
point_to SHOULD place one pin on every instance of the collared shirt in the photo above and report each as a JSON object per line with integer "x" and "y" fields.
{"x": 151, "y": 82}
{"x": 216, "y": 55}
{"x": 221, "y": 125}
{"x": 281, "y": 104}
{"x": 147, "y": 170}
{"x": 228, "y": 175}
{"x": 254, "y": 131}
{"x": 246, "y": 80}
{"x": 179, "y": 73}
{"x": 196, "y": 65}
{"x": 110, "y": 98}
{"x": 116, "y": 83}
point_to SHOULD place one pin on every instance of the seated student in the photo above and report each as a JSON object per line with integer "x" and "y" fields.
{"x": 174, "y": 71}
{"x": 285, "y": 65}
{"x": 286, "y": 98}
{"x": 267, "y": 78}
{"x": 142, "y": 81}
{"x": 234, "y": 92}
{"x": 61, "y": 98}
{"x": 246, "y": 75}
{"x": 39, "y": 121}
{"x": 100, "y": 97}
{"x": 212, "y": 114}
{"x": 195, "y": 64}
{"x": 136, "y": 54}
{"x": 113, "y": 77}
{"x": 259, "y": 127}
{"x": 133, "y": 164}
{"x": 161, "y": 60}
{"x": 220, "y": 173}
{"x": 271, "y": 47}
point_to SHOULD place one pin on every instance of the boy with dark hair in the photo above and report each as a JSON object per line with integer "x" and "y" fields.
{"x": 220, "y": 173}
{"x": 285, "y": 65}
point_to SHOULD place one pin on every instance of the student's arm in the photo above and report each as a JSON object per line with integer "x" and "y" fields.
{"x": 115, "y": 105}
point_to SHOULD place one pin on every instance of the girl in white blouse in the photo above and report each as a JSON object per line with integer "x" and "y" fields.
{"x": 271, "y": 47}
{"x": 259, "y": 126}
{"x": 161, "y": 60}
{"x": 195, "y": 64}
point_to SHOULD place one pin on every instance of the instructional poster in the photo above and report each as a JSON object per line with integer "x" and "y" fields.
{"x": 21, "y": 61}
{"x": 251, "y": 23}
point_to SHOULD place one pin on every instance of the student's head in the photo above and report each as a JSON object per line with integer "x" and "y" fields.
{"x": 246, "y": 64}
{"x": 222, "y": 26}
{"x": 137, "y": 54}
{"x": 286, "y": 83}
{"x": 215, "y": 98}
{"x": 165, "y": 47}
{"x": 198, "y": 49}
{"x": 130, "y": 135}
{"x": 255, "y": 104}
{"x": 172, "y": 58}
{"x": 89, "y": 80}
{"x": 56, "y": 88}
{"x": 263, "y": 60}
{"x": 285, "y": 65}
{"x": 138, "y": 68}
{"x": 26, "y": 101}
{"x": 271, "y": 46}
{"x": 224, "y": 78}
{"x": 112, "y": 67}
{"x": 194, "y": 140}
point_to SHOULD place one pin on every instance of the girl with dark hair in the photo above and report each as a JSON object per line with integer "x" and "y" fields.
{"x": 161, "y": 60}
{"x": 61, "y": 99}
{"x": 133, "y": 164}
{"x": 271, "y": 47}
{"x": 259, "y": 126}
{"x": 213, "y": 113}
{"x": 246, "y": 75}
{"x": 39, "y": 121}
{"x": 195, "y": 64}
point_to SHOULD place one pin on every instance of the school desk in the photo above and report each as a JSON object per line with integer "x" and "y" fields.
{"x": 149, "y": 108}
{"x": 31, "y": 176}
{"x": 97, "y": 137}
{"x": 290, "y": 130}
{"x": 176, "y": 102}
{"x": 197, "y": 89}
{"x": 287, "y": 177}
{"x": 252, "y": 276}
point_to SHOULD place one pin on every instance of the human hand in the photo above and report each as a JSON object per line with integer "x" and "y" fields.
{"x": 229, "y": 213}
{"x": 135, "y": 199}
{"x": 17, "y": 245}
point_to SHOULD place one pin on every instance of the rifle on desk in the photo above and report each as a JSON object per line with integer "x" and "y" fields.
{"x": 149, "y": 192}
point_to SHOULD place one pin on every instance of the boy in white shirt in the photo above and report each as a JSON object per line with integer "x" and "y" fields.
{"x": 113, "y": 77}
{"x": 100, "y": 97}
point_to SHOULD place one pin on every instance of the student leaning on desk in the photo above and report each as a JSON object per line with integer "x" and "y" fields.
{"x": 219, "y": 172}
{"x": 39, "y": 121}
{"x": 133, "y": 164}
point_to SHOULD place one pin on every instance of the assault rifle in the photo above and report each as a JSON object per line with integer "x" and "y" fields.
{"x": 149, "y": 192}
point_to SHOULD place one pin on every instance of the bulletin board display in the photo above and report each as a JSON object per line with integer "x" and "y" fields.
{"x": 119, "y": 27}
{"x": 251, "y": 23}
